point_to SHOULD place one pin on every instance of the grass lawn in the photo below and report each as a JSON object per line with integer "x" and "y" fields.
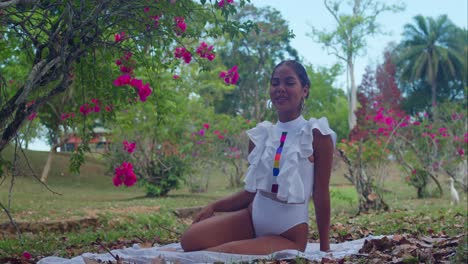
{"x": 125, "y": 216}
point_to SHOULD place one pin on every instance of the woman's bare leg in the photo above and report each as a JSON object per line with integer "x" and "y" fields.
{"x": 294, "y": 238}
{"x": 217, "y": 230}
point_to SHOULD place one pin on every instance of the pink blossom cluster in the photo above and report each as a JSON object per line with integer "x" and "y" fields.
{"x": 182, "y": 52}
{"x": 126, "y": 63}
{"x": 94, "y": 106}
{"x": 129, "y": 146}
{"x": 26, "y": 255}
{"x": 124, "y": 175}
{"x": 143, "y": 90}
{"x": 387, "y": 121}
{"x": 222, "y": 3}
{"x": 219, "y": 134}
{"x": 202, "y": 133}
{"x": 32, "y": 116}
{"x": 119, "y": 37}
{"x": 206, "y": 51}
{"x": 180, "y": 25}
{"x": 155, "y": 21}
{"x": 65, "y": 116}
{"x": 456, "y": 116}
{"x": 231, "y": 76}
{"x": 386, "y": 124}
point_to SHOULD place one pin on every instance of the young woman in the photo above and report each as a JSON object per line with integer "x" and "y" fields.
{"x": 289, "y": 162}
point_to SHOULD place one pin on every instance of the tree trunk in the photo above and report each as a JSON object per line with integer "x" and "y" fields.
{"x": 53, "y": 151}
{"x": 46, "y": 170}
{"x": 352, "y": 97}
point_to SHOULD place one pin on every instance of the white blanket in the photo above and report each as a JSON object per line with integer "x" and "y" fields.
{"x": 136, "y": 254}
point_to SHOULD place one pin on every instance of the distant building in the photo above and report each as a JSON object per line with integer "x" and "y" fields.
{"x": 100, "y": 141}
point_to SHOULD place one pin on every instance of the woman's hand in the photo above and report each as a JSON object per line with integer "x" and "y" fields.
{"x": 206, "y": 212}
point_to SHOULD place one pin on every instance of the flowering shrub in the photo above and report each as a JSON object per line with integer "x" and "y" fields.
{"x": 423, "y": 147}
{"x": 221, "y": 143}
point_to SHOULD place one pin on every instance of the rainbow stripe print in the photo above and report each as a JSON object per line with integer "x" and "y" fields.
{"x": 276, "y": 164}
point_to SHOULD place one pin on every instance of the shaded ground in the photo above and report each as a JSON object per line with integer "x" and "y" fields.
{"x": 398, "y": 248}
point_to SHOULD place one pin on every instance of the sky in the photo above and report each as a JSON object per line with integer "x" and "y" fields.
{"x": 302, "y": 15}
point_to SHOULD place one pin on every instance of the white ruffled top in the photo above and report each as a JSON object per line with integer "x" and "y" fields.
{"x": 294, "y": 157}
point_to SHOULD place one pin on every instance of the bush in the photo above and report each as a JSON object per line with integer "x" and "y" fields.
{"x": 163, "y": 174}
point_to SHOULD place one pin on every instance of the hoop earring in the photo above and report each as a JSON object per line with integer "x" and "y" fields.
{"x": 269, "y": 104}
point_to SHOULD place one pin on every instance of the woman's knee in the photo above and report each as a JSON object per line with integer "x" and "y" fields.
{"x": 190, "y": 240}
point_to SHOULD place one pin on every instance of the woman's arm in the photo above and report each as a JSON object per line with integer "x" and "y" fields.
{"x": 323, "y": 158}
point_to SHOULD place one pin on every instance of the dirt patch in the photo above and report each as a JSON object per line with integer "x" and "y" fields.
{"x": 121, "y": 210}
{"x": 8, "y": 230}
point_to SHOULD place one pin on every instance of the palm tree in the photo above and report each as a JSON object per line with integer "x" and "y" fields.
{"x": 431, "y": 53}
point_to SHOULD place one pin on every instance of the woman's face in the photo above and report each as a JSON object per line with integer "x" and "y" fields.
{"x": 287, "y": 93}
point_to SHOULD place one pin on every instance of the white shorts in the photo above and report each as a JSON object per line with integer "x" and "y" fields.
{"x": 270, "y": 217}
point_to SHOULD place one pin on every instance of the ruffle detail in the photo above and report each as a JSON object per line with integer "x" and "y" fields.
{"x": 298, "y": 148}
{"x": 307, "y": 138}
{"x": 258, "y": 135}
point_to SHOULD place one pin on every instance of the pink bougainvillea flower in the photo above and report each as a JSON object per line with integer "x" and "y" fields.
{"x": 201, "y": 132}
{"x": 220, "y": 136}
{"x": 118, "y": 62}
{"x": 32, "y": 116}
{"x": 231, "y": 76}
{"x": 85, "y": 109}
{"x": 206, "y": 51}
{"x": 175, "y": 76}
{"x": 136, "y": 83}
{"x": 65, "y": 116}
{"x": 216, "y": 132}
{"x": 156, "y": 20}
{"x": 442, "y": 130}
{"x": 124, "y": 174}
{"x": 26, "y": 255}
{"x": 144, "y": 91}
{"x": 108, "y": 108}
{"x": 127, "y": 55}
{"x": 180, "y": 25}
{"x": 207, "y": 126}
{"x": 129, "y": 147}
{"x": 123, "y": 79}
{"x": 119, "y": 37}
{"x": 460, "y": 152}
{"x": 187, "y": 57}
{"x": 222, "y": 3}
{"x": 146, "y": 9}
{"x": 126, "y": 69}
{"x": 181, "y": 52}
